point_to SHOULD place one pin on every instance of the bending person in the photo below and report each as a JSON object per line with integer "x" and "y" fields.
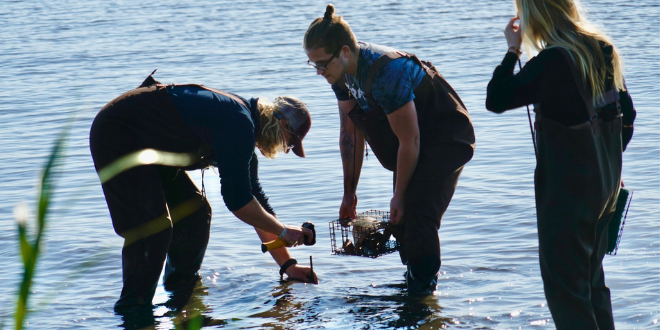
{"x": 416, "y": 125}
{"x": 158, "y": 210}
{"x": 577, "y": 87}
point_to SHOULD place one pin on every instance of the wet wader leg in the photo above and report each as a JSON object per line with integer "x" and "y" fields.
{"x": 427, "y": 198}
{"x": 139, "y": 214}
{"x": 138, "y": 210}
{"x": 573, "y": 187}
{"x": 191, "y": 218}
{"x": 600, "y": 293}
{"x": 564, "y": 252}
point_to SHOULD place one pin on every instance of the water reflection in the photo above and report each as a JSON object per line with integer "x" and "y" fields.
{"x": 290, "y": 308}
{"x": 398, "y": 311}
{"x": 184, "y": 309}
{"x": 388, "y": 307}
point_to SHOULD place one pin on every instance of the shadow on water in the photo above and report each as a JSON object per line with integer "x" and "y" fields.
{"x": 289, "y": 310}
{"x": 184, "y": 309}
{"x": 385, "y": 307}
{"x": 398, "y": 311}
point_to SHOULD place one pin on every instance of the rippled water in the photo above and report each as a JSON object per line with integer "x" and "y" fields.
{"x": 66, "y": 59}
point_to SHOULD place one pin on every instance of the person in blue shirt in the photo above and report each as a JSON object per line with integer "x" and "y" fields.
{"x": 416, "y": 125}
{"x": 158, "y": 210}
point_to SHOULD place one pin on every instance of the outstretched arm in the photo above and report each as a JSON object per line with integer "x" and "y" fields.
{"x": 268, "y": 227}
{"x": 351, "y": 146}
{"x": 282, "y": 255}
{"x": 404, "y": 125}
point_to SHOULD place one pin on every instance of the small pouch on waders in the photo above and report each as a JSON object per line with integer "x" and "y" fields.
{"x": 615, "y": 228}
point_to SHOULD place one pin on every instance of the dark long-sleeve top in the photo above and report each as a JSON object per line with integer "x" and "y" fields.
{"x": 229, "y": 127}
{"x": 547, "y": 79}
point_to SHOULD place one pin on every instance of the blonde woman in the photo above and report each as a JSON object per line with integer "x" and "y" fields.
{"x": 584, "y": 118}
{"x": 222, "y": 129}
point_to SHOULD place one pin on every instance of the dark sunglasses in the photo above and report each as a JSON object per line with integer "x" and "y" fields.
{"x": 324, "y": 66}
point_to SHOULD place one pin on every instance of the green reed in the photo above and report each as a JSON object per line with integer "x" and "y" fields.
{"x": 30, "y": 246}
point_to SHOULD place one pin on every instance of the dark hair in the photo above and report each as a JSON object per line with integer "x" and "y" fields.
{"x": 330, "y": 32}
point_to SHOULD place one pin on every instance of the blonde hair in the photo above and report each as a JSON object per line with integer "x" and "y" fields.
{"x": 271, "y": 139}
{"x": 330, "y": 32}
{"x": 562, "y": 23}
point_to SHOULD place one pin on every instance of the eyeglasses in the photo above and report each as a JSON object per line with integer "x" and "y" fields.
{"x": 324, "y": 66}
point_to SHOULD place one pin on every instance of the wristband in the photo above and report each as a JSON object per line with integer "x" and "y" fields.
{"x": 515, "y": 49}
{"x": 283, "y": 233}
{"x": 286, "y": 266}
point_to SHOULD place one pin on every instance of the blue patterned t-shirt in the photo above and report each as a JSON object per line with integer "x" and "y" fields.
{"x": 392, "y": 87}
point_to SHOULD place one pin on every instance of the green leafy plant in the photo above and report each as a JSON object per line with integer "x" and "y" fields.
{"x": 30, "y": 246}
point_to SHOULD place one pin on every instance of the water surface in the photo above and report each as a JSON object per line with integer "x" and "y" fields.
{"x": 66, "y": 59}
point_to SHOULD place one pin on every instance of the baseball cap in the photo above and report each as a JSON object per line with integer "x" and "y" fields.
{"x": 298, "y": 118}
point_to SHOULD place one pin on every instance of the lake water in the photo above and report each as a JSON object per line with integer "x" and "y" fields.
{"x": 66, "y": 59}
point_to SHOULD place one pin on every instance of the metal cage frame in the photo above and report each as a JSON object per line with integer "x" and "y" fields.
{"x": 372, "y": 242}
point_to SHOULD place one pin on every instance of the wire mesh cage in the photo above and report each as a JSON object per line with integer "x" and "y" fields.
{"x": 367, "y": 236}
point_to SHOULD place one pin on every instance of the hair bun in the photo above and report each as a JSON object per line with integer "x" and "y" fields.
{"x": 329, "y": 11}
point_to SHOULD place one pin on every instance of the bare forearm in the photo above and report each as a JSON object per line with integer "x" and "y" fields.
{"x": 404, "y": 125}
{"x": 407, "y": 158}
{"x": 255, "y": 215}
{"x": 280, "y": 255}
{"x": 351, "y": 146}
{"x": 351, "y": 159}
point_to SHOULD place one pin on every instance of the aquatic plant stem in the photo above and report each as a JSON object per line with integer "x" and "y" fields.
{"x": 30, "y": 250}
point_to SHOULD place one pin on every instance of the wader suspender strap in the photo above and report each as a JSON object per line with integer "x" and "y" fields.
{"x": 149, "y": 81}
{"x": 610, "y": 96}
{"x": 531, "y": 126}
{"x": 378, "y": 64}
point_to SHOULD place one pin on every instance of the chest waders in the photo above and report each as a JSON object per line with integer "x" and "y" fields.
{"x": 446, "y": 145}
{"x": 577, "y": 182}
{"x": 158, "y": 210}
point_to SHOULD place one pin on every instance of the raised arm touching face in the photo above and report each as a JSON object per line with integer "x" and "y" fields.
{"x": 404, "y": 125}
{"x": 351, "y": 146}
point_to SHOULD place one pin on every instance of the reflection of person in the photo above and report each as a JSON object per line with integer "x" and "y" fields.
{"x": 415, "y": 123}
{"x": 577, "y": 86}
{"x": 158, "y": 210}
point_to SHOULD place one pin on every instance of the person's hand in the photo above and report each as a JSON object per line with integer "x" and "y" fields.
{"x": 295, "y": 235}
{"x": 348, "y": 206}
{"x": 302, "y": 273}
{"x": 396, "y": 210}
{"x": 512, "y": 32}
